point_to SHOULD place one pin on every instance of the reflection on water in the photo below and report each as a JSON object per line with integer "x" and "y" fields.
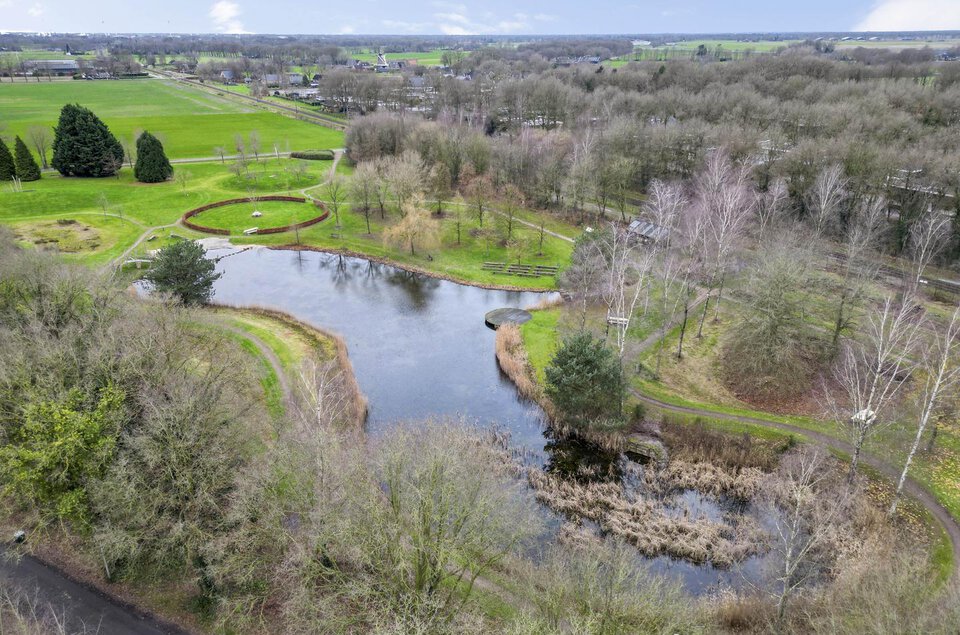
{"x": 420, "y": 349}
{"x": 418, "y": 344}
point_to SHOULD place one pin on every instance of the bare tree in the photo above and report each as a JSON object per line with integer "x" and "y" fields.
{"x": 826, "y": 197}
{"x": 363, "y": 186}
{"x": 219, "y": 150}
{"x": 941, "y": 366}
{"x": 239, "y": 146}
{"x": 928, "y": 237}
{"x": 771, "y": 206}
{"x": 405, "y": 174}
{"x": 479, "y": 192}
{"x": 665, "y": 207}
{"x": 582, "y": 278}
{"x": 865, "y": 228}
{"x": 382, "y": 187}
{"x": 254, "y": 144}
{"x": 182, "y": 177}
{"x": 809, "y": 506}
{"x": 624, "y": 280}
{"x": 723, "y": 191}
{"x": 336, "y": 192}
{"x": 41, "y": 138}
{"x": 871, "y": 373}
{"x": 299, "y": 170}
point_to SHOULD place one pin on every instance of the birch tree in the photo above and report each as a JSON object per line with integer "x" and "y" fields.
{"x": 928, "y": 237}
{"x": 858, "y": 267}
{"x": 870, "y": 373}
{"x": 664, "y": 208}
{"x": 809, "y": 508}
{"x": 826, "y": 197}
{"x": 625, "y": 279}
{"x": 724, "y": 194}
{"x": 941, "y": 368}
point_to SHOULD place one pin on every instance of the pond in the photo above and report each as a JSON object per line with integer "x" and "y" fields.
{"x": 419, "y": 348}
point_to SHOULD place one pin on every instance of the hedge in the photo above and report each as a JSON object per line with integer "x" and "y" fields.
{"x": 313, "y": 155}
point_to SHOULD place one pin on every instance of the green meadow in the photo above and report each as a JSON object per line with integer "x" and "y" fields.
{"x": 189, "y": 122}
{"x": 426, "y": 58}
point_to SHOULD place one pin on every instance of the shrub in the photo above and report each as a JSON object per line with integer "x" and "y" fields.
{"x": 313, "y": 155}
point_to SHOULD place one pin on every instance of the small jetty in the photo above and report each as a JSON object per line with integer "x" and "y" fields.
{"x": 495, "y": 318}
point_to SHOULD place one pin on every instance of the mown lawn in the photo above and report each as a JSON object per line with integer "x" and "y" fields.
{"x": 460, "y": 261}
{"x": 189, "y": 122}
{"x": 122, "y": 209}
{"x": 239, "y": 217}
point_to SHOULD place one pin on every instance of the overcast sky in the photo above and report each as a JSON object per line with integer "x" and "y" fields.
{"x": 477, "y": 16}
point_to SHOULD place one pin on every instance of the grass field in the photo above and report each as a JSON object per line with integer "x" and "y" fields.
{"x": 428, "y": 58}
{"x": 189, "y": 122}
{"x": 120, "y": 209}
{"x": 237, "y": 218}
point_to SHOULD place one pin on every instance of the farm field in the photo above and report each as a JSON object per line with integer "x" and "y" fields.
{"x": 427, "y": 58}
{"x": 190, "y": 123}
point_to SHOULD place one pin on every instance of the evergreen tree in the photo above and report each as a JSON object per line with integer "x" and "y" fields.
{"x": 584, "y": 380}
{"x": 182, "y": 270}
{"x": 7, "y": 168}
{"x": 27, "y": 168}
{"x": 83, "y": 145}
{"x": 152, "y": 164}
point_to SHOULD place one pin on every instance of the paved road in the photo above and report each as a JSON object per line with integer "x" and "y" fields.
{"x": 83, "y": 607}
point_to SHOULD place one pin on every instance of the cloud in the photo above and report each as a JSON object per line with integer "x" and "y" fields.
{"x": 452, "y": 17}
{"x": 225, "y": 15}
{"x": 460, "y": 23}
{"x": 36, "y": 10}
{"x": 544, "y": 17}
{"x": 346, "y": 29}
{"x": 912, "y": 15}
{"x": 407, "y": 27}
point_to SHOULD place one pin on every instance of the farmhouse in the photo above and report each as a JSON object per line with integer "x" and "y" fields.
{"x": 54, "y": 67}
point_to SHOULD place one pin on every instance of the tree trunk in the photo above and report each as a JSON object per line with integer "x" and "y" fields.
{"x": 855, "y": 460}
{"x": 703, "y": 316}
{"x": 683, "y": 325}
{"x": 716, "y": 306}
{"x": 931, "y": 444}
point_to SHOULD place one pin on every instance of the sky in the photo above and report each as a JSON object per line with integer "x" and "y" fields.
{"x": 463, "y": 17}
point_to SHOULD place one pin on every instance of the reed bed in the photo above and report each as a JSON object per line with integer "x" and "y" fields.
{"x": 645, "y": 523}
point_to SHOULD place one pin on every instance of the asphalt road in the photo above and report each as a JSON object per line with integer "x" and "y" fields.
{"x": 83, "y": 608}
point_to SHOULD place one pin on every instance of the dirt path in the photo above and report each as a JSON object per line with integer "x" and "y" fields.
{"x": 271, "y": 357}
{"x": 913, "y": 488}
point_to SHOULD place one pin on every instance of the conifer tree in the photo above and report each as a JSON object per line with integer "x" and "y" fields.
{"x": 7, "y": 168}
{"x": 26, "y": 165}
{"x": 152, "y": 165}
{"x": 83, "y": 145}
